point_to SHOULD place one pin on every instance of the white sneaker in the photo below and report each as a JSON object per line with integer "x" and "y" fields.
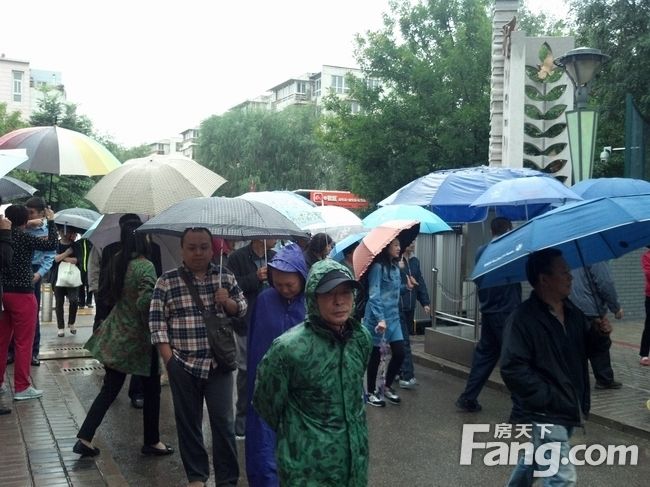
{"x": 375, "y": 400}
{"x": 60, "y": 333}
{"x": 408, "y": 384}
{"x": 29, "y": 393}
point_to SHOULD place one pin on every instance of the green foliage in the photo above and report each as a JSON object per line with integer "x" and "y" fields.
{"x": 122, "y": 153}
{"x": 535, "y": 25}
{"x": 262, "y": 150}
{"x": 432, "y": 111}
{"x": 9, "y": 121}
{"x": 619, "y": 29}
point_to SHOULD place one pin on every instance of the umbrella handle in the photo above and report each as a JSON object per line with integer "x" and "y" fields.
{"x": 221, "y": 267}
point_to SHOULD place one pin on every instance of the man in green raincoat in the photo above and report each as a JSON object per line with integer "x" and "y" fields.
{"x": 309, "y": 387}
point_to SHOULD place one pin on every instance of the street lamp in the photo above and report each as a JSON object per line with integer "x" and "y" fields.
{"x": 582, "y": 65}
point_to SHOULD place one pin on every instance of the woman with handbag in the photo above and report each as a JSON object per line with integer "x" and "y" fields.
{"x": 64, "y": 276}
{"x": 123, "y": 343}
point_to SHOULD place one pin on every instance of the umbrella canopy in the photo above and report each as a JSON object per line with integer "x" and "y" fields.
{"x": 337, "y": 252}
{"x": 378, "y": 238}
{"x": 10, "y": 159}
{"x": 55, "y": 150}
{"x": 234, "y": 218}
{"x": 81, "y": 218}
{"x": 533, "y": 193}
{"x": 106, "y": 229}
{"x": 429, "y": 221}
{"x": 599, "y": 187}
{"x": 586, "y": 232}
{"x": 450, "y": 192}
{"x": 151, "y": 184}
{"x": 12, "y": 188}
{"x": 338, "y": 222}
{"x": 296, "y": 208}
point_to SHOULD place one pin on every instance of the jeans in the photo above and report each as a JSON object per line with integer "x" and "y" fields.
{"x": 406, "y": 318}
{"x": 556, "y": 448}
{"x": 486, "y": 354}
{"x": 188, "y": 394}
{"x": 113, "y": 382}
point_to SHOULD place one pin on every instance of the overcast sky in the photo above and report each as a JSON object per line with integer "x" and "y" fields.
{"x": 145, "y": 70}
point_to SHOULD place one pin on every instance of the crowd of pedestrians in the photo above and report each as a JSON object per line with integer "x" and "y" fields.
{"x": 295, "y": 397}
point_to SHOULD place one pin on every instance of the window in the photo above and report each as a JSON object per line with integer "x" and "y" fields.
{"x": 354, "y": 107}
{"x": 301, "y": 87}
{"x": 373, "y": 83}
{"x": 18, "y": 85}
{"x": 338, "y": 84}
{"x": 317, "y": 87}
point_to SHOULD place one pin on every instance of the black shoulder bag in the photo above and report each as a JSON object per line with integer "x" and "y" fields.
{"x": 221, "y": 336}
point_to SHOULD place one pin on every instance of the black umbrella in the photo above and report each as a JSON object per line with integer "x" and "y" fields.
{"x": 12, "y": 188}
{"x": 234, "y": 218}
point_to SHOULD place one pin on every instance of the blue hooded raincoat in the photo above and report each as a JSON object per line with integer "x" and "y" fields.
{"x": 270, "y": 318}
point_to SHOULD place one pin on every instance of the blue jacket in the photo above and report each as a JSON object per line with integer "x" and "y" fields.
{"x": 272, "y": 315}
{"x": 384, "y": 284}
{"x": 409, "y": 297}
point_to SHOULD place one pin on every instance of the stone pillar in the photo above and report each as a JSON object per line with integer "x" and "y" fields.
{"x": 504, "y": 11}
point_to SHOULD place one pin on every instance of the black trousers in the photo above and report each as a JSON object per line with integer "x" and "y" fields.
{"x": 113, "y": 381}
{"x": 188, "y": 393}
{"x": 396, "y": 358}
{"x": 73, "y": 297}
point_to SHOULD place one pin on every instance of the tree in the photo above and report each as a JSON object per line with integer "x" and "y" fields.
{"x": 432, "y": 109}
{"x": 619, "y": 29}
{"x": 264, "y": 150}
{"x": 9, "y": 121}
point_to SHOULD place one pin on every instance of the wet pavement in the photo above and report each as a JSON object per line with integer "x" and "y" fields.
{"x": 414, "y": 444}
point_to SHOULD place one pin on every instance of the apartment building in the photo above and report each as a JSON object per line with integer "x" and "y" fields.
{"x": 22, "y": 87}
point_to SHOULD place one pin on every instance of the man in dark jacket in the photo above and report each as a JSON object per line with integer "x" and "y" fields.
{"x": 496, "y": 303}
{"x": 249, "y": 265}
{"x": 6, "y": 255}
{"x": 546, "y": 344}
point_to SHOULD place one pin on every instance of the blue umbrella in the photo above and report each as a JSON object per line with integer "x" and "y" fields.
{"x": 599, "y": 187}
{"x": 339, "y": 248}
{"x": 534, "y": 194}
{"x": 586, "y": 232}
{"x": 429, "y": 221}
{"x": 450, "y": 192}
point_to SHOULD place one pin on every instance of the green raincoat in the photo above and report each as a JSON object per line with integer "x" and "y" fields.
{"x": 123, "y": 341}
{"x": 309, "y": 389}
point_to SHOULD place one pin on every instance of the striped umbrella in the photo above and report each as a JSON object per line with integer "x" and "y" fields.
{"x": 55, "y": 150}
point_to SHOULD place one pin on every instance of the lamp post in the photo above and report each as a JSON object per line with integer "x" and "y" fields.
{"x": 582, "y": 65}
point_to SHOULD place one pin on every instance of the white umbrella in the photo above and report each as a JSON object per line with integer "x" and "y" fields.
{"x": 152, "y": 184}
{"x": 339, "y": 222}
{"x": 10, "y": 159}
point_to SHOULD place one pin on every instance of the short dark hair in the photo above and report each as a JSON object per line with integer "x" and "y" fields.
{"x": 318, "y": 243}
{"x": 36, "y": 203}
{"x": 500, "y": 225}
{"x": 540, "y": 262}
{"x": 17, "y": 214}
{"x": 196, "y": 230}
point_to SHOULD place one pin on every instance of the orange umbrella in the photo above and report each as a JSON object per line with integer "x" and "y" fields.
{"x": 378, "y": 238}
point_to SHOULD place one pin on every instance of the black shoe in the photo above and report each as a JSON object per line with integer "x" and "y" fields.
{"x": 158, "y": 452}
{"x": 468, "y": 405}
{"x": 85, "y": 451}
{"x": 611, "y": 385}
{"x": 10, "y": 358}
{"x": 5, "y": 411}
{"x": 137, "y": 402}
{"x": 35, "y": 361}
